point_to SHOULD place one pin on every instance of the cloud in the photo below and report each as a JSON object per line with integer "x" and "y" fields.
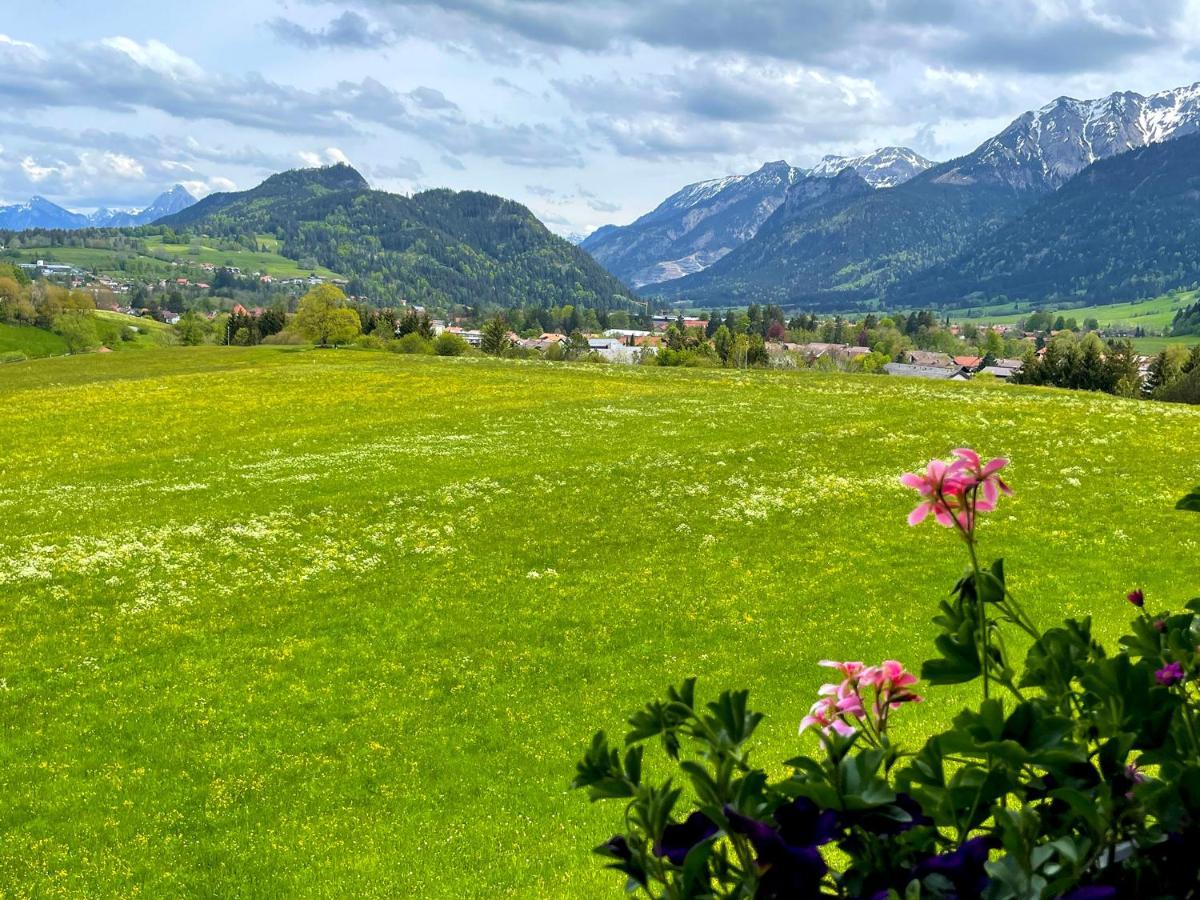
{"x": 328, "y": 157}
{"x": 1036, "y": 35}
{"x": 349, "y": 31}
{"x": 124, "y": 76}
{"x": 402, "y": 169}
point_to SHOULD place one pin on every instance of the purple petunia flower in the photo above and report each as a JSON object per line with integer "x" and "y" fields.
{"x": 678, "y": 840}
{"x": 1171, "y": 673}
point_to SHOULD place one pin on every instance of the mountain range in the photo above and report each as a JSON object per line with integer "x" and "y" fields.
{"x": 437, "y": 247}
{"x": 38, "y": 212}
{"x": 703, "y": 222}
{"x": 847, "y": 243}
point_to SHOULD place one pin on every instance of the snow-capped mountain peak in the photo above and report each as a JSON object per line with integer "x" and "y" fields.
{"x": 882, "y": 168}
{"x": 1045, "y": 147}
{"x": 38, "y": 212}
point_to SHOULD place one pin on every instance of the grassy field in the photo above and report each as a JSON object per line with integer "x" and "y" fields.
{"x": 33, "y": 342}
{"x": 111, "y": 262}
{"x": 152, "y": 333}
{"x": 1151, "y": 345}
{"x": 1154, "y": 314}
{"x": 268, "y": 263}
{"x": 338, "y": 623}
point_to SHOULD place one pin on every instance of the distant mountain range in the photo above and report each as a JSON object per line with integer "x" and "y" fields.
{"x": 39, "y": 212}
{"x": 437, "y": 247}
{"x": 703, "y": 222}
{"x": 825, "y": 246}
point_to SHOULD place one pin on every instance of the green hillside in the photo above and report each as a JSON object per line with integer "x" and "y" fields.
{"x": 152, "y": 258}
{"x": 32, "y": 342}
{"x": 1122, "y": 229}
{"x": 437, "y": 247}
{"x": 1154, "y": 314}
{"x": 334, "y": 623}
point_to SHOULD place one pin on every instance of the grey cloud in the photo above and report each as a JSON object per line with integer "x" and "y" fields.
{"x": 853, "y": 35}
{"x": 405, "y": 168}
{"x": 348, "y": 31}
{"x": 454, "y": 162}
{"x": 603, "y": 206}
{"x": 123, "y": 76}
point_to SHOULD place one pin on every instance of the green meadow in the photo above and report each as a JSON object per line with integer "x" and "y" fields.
{"x": 1152, "y": 314}
{"x": 334, "y": 623}
{"x": 33, "y": 342}
{"x": 158, "y": 256}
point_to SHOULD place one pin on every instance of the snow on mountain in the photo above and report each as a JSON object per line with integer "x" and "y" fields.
{"x": 39, "y": 212}
{"x": 1043, "y": 148}
{"x": 694, "y": 227}
{"x": 882, "y": 168}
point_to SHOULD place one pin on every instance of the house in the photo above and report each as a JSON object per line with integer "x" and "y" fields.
{"x": 1014, "y": 364}
{"x": 553, "y": 337}
{"x": 969, "y": 363}
{"x": 928, "y": 359}
{"x": 935, "y": 373}
{"x": 171, "y": 318}
{"x": 815, "y": 350}
{"x": 1002, "y": 372}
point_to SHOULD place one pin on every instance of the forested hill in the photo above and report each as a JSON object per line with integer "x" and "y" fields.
{"x": 438, "y": 247}
{"x": 1125, "y": 227}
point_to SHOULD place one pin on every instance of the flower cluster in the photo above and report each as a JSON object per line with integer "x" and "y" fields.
{"x": 862, "y": 700}
{"x": 954, "y": 491}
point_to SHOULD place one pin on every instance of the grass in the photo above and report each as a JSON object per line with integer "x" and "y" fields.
{"x": 151, "y": 332}
{"x": 1153, "y": 314}
{"x": 268, "y": 263}
{"x": 190, "y": 256}
{"x": 1148, "y": 346}
{"x": 325, "y": 623}
{"x": 33, "y": 342}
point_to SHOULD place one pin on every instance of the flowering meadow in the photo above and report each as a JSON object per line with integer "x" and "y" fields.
{"x": 340, "y": 623}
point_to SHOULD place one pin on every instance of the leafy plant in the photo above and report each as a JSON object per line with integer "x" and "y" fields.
{"x": 1077, "y": 775}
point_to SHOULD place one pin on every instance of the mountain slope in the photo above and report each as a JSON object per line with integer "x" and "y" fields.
{"x": 837, "y": 242}
{"x": 701, "y": 223}
{"x": 859, "y": 250}
{"x": 39, "y": 212}
{"x": 1044, "y": 148}
{"x": 692, "y": 228}
{"x": 438, "y": 247}
{"x": 1124, "y": 228}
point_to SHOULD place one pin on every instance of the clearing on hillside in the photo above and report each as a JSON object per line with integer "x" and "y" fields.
{"x": 286, "y": 622}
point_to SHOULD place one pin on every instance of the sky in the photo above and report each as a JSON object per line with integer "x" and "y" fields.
{"x": 588, "y": 111}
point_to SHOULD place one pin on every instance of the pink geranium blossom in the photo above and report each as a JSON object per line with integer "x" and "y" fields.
{"x": 844, "y": 707}
{"x": 955, "y": 491}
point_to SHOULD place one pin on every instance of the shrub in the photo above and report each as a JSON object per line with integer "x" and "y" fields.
{"x": 371, "y": 342}
{"x": 1077, "y": 775}
{"x": 9, "y": 356}
{"x": 450, "y": 344}
{"x": 285, "y": 337}
{"x": 412, "y": 342}
{"x": 1185, "y": 389}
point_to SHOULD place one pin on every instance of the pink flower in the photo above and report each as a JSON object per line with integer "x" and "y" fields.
{"x": 937, "y": 485}
{"x": 1171, "y": 673}
{"x": 824, "y": 715}
{"x": 848, "y": 669}
{"x": 953, "y": 492}
{"x": 1137, "y": 598}
{"x": 841, "y": 708}
{"x": 985, "y": 474}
